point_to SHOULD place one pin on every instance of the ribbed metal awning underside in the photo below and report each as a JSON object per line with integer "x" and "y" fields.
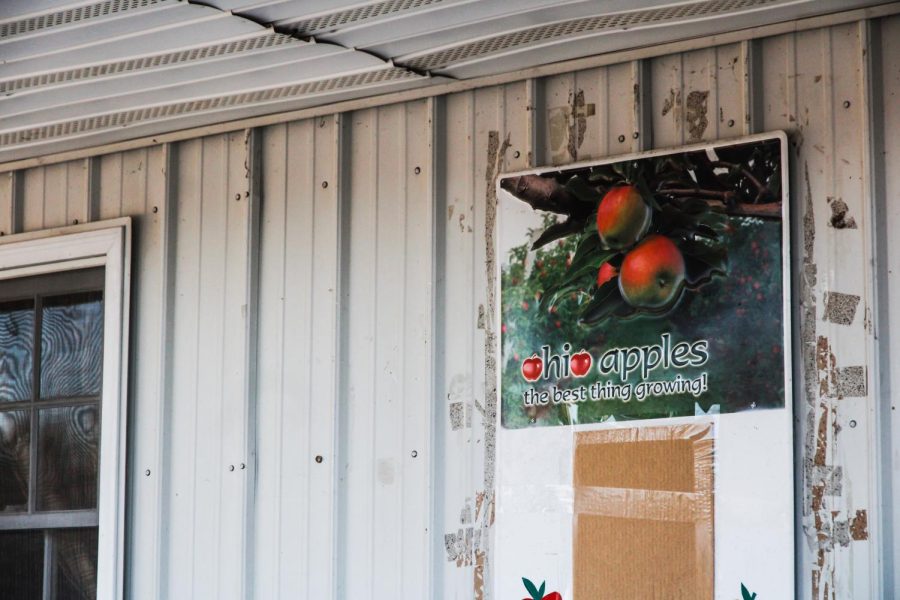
{"x": 77, "y": 73}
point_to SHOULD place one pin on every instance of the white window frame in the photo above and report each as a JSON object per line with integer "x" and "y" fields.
{"x": 102, "y": 244}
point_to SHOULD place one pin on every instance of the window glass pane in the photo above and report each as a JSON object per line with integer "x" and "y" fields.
{"x": 16, "y": 342}
{"x": 71, "y": 345}
{"x": 15, "y": 441}
{"x": 21, "y": 564}
{"x": 76, "y": 563}
{"x": 68, "y": 449}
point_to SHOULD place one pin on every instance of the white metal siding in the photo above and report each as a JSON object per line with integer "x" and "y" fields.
{"x": 361, "y": 332}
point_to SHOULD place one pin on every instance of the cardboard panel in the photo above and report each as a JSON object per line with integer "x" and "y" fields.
{"x": 644, "y": 514}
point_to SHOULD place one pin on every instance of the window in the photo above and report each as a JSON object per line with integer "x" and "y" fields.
{"x": 51, "y": 351}
{"x": 62, "y": 339}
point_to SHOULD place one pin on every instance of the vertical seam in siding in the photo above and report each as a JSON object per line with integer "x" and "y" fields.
{"x": 196, "y": 382}
{"x": 879, "y": 354}
{"x": 167, "y": 291}
{"x": 643, "y": 104}
{"x": 253, "y": 150}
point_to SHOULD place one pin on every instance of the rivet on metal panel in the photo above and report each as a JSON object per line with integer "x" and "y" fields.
{"x": 846, "y": 104}
{"x": 75, "y": 222}
{"x": 155, "y": 209}
{"x": 231, "y": 467}
{"x": 517, "y": 154}
{"x": 324, "y": 184}
{"x": 243, "y": 466}
{"x": 414, "y": 453}
{"x": 319, "y": 458}
{"x": 731, "y": 122}
{"x": 147, "y": 473}
{"x": 237, "y": 197}
{"x": 418, "y": 170}
{"x": 621, "y": 138}
{"x": 636, "y": 135}
{"x": 852, "y": 423}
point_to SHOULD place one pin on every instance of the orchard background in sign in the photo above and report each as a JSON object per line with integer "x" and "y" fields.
{"x": 641, "y": 289}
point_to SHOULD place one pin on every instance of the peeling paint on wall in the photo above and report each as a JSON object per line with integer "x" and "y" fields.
{"x": 496, "y": 156}
{"x": 672, "y": 104}
{"x": 567, "y": 126}
{"x": 840, "y": 219}
{"x": 840, "y": 309}
{"x": 695, "y": 118}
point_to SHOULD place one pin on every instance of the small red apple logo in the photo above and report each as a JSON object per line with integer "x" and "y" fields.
{"x": 532, "y": 368}
{"x": 580, "y": 363}
{"x": 538, "y": 594}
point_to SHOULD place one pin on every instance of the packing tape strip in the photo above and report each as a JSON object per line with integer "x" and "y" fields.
{"x": 649, "y": 505}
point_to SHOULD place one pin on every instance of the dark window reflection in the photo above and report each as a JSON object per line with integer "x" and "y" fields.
{"x": 16, "y": 356}
{"x": 15, "y": 440}
{"x": 21, "y": 564}
{"x": 68, "y": 449}
{"x": 76, "y": 563}
{"x": 71, "y": 345}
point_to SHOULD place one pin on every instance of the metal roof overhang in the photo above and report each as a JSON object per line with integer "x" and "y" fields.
{"x": 80, "y": 73}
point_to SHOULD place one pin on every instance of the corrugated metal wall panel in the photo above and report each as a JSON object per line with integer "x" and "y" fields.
{"x": 385, "y": 451}
{"x": 294, "y": 548}
{"x": 374, "y": 347}
{"x": 207, "y": 454}
{"x": 816, "y": 83}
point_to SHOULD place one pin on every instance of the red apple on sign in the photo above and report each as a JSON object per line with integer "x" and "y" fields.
{"x": 532, "y": 368}
{"x": 580, "y": 363}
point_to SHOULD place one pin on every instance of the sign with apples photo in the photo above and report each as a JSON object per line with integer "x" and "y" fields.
{"x": 644, "y": 441}
{"x": 645, "y": 288}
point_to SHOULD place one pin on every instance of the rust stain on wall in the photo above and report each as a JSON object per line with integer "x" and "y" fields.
{"x": 859, "y": 526}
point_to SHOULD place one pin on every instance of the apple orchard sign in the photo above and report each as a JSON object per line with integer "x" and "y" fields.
{"x": 646, "y": 288}
{"x": 645, "y": 377}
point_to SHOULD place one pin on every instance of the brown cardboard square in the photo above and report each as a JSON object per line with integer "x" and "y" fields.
{"x": 644, "y": 514}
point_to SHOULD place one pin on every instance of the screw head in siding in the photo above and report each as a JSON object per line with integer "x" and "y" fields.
{"x": 231, "y": 467}
{"x": 852, "y": 422}
{"x": 324, "y": 184}
{"x": 418, "y": 170}
{"x": 147, "y": 473}
{"x": 621, "y": 138}
{"x": 237, "y": 197}
{"x": 731, "y": 122}
{"x": 155, "y": 209}
{"x": 636, "y": 135}
{"x": 846, "y": 104}
{"x": 414, "y": 453}
{"x": 243, "y": 466}
{"x": 517, "y": 154}
{"x": 319, "y": 459}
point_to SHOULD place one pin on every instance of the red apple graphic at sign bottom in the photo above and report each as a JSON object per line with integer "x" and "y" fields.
{"x": 580, "y": 363}
{"x": 532, "y": 368}
{"x": 538, "y": 594}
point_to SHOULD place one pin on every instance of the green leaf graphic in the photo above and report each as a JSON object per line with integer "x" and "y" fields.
{"x": 746, "y": 593}
{"x": 531, "y": 589}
